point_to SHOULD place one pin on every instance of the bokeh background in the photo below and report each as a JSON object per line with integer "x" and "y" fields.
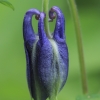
{"x": 13, "y": 84}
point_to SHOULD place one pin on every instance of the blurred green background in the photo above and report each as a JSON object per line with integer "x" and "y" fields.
{"x": 13, "y": 84}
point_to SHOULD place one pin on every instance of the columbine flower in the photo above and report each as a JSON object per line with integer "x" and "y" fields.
{"x": 47, "y": 58}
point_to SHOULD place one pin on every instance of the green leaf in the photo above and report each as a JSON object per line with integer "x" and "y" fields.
{"x": 6, "y": 3}
{"x": 89, "y": 97}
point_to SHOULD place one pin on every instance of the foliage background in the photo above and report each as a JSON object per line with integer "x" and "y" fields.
{"x": 13, "y": 84}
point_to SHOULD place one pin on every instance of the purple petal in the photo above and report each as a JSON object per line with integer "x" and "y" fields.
{"x": 29, "y": 39}
{"x": 41, "y": 32}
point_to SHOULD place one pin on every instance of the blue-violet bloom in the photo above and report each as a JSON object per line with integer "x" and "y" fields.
{"x": 46, "y": 57}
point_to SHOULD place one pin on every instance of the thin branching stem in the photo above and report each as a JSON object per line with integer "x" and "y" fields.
{"x": 46, "y": 23}
{"x": 79, "y": 44}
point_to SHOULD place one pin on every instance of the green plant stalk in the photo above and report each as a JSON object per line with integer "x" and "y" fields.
{"x": 80, "y": 45}
{"x": 45, "y": 5}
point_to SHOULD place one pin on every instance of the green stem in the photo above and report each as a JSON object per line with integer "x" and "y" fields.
{"x": 46, "y": 24}
{"x": 80, "y": 45}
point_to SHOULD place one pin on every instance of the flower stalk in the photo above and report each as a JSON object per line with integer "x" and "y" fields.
{"x": 45, "y": 5}
{"x": 79, "y": 44}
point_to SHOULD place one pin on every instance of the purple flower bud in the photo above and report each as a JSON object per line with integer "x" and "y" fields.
{"x": 47, "y": 58}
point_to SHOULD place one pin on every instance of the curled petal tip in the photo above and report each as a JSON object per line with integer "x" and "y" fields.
{"x": 28, "y": 31}
{"x": 51, "y": 14}
{"x": 60, "y": 22}
{"x": 37, "y": 17}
